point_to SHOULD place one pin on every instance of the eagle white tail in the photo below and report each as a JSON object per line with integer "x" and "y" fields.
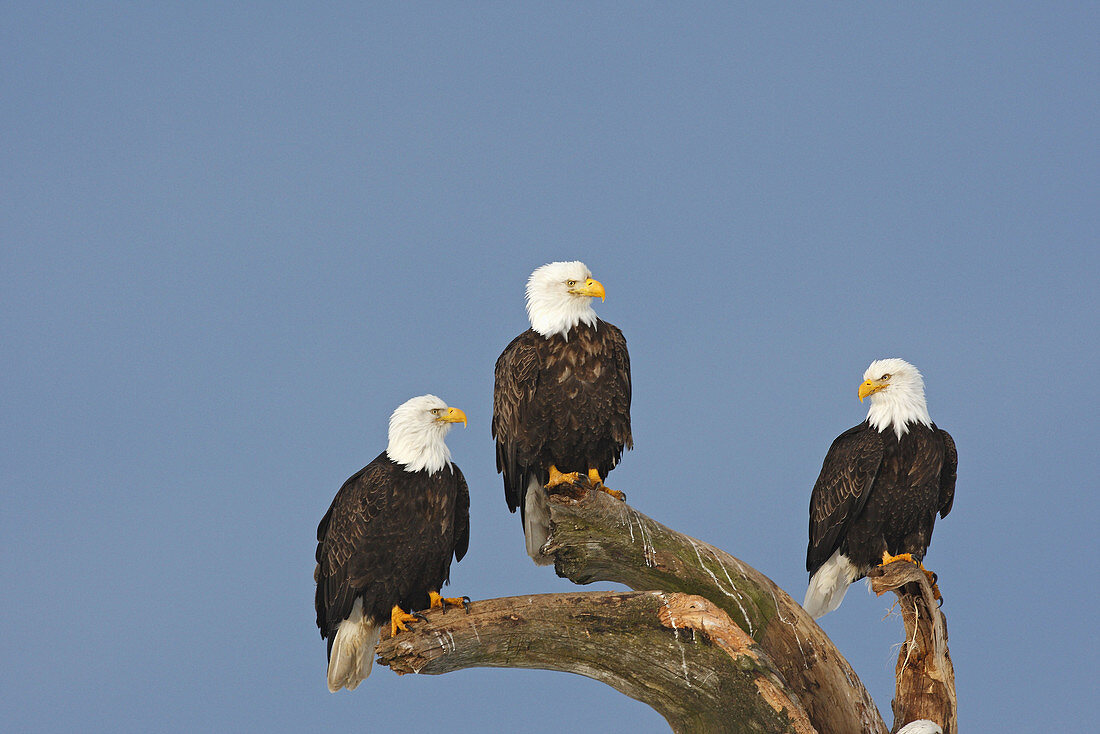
{"x": 829, "y": 585}
{"x": 536, "y": 521}
{"x": 921, "y": 726}
{"x": 352, "y": 654}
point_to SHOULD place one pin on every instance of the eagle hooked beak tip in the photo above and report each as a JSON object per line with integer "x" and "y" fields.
{"x": 593, "y": 287}
{"x": 870, "y": 387}
{"x": 454, "y": 415}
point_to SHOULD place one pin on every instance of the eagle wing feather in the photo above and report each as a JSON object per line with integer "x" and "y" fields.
{"x": 948, "y": 474}
{"x": 841, "y": 490}
{"x": 341, "y": 535}
{"x": 620, "y": 397}
{"x": 516, "y": 379}
{"x": 462, "y": 517}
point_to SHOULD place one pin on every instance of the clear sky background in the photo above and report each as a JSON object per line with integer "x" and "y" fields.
{"x": 234, "y": 237}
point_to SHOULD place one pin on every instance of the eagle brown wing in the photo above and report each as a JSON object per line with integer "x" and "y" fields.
{"x": 619, "y": 391}
{"x": 841, "y": 490}
{"x": 948, "y": 474}
{"x": 462, "y": 516}
{"x": 340, "y": 536}
{"x": 516, "y": 379}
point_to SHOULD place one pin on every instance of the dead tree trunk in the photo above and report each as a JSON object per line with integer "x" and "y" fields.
{"x": 925, "y": 687}
{"x": 719, "y": 647}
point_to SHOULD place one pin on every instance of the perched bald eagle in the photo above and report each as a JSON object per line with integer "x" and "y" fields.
{"x": 880, "y": 487}
{"x": 561, "y": 402}
{"x": 386, "y": 543}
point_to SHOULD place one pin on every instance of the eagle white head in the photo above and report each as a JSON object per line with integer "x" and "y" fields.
{"x": 417, "y": 430}
{"x": 896, "y": 389}
{"x": 559, "y": 296}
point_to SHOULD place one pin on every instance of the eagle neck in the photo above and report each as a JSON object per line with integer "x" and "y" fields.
{"x": 898, "y": 409}
{"x": 558, "y": 317}
{"x": 419, "y": 448}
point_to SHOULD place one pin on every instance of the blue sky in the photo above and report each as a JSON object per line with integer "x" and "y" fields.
{"x": 235, "y": 238}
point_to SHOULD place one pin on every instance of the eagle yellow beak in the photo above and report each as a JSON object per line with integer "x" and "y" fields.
{"x": 870, "y": 387}
{"x": 591, "y": 288}
{"x": 453, "y": 415}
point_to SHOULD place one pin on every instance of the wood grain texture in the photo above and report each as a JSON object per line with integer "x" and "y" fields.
{"x": 597, "y": 538}
{"x": 925, "y": 676}
{"x": 671, "y": 652}
{"x": 718, "y": 648}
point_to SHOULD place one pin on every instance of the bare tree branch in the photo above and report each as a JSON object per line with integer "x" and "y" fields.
{"x": 679, "y": 654}
{"x": 597, "y": 538}
{"x": 719, "y": 648}
{"x": 925, "y": 687}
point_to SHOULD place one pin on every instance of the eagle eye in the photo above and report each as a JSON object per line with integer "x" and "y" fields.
{"x": 887, "y": 376}
{"x": 436, "y": 411}
{"x": 570, "y": 283}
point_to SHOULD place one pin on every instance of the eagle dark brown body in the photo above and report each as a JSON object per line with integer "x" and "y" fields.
{"x": 563, "y": 401}
{"x": 388, "y": 538}
{"x": 879, "y": 493}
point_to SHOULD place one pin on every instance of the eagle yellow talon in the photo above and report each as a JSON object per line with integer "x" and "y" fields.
{"x": 887, "y": 558}
{"x": 932, "y": 582}
{"x": 616, "y": 493}
{"x": 597, "y": 483}
{"x": 399, "y": 619}
{"x": 441, "y": 602}
{"x": 557, "y": 478}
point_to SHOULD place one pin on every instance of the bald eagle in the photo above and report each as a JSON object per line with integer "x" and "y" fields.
{"x": 385, "y": 545}
{"x": 880, "y": 487}
{"x": 561, "y": 400}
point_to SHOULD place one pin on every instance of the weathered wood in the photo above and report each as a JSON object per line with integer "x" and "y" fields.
{"x": 597, "y": 538}
{"x": 679, "y": 654}
{"x": 925, "y": 677}
{"x": 754, "y": 660}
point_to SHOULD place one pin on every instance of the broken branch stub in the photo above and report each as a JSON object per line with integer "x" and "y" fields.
{"x": 925, "y": 676}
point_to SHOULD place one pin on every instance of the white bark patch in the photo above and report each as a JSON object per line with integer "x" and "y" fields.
{"x": 732, "y": 593}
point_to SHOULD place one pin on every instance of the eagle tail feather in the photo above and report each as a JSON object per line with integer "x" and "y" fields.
{"x": 352, "y": 652}
{"x": 921, "y": 726}
{"x": 536, "y": 521}
{"x": 829, "y": 584}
